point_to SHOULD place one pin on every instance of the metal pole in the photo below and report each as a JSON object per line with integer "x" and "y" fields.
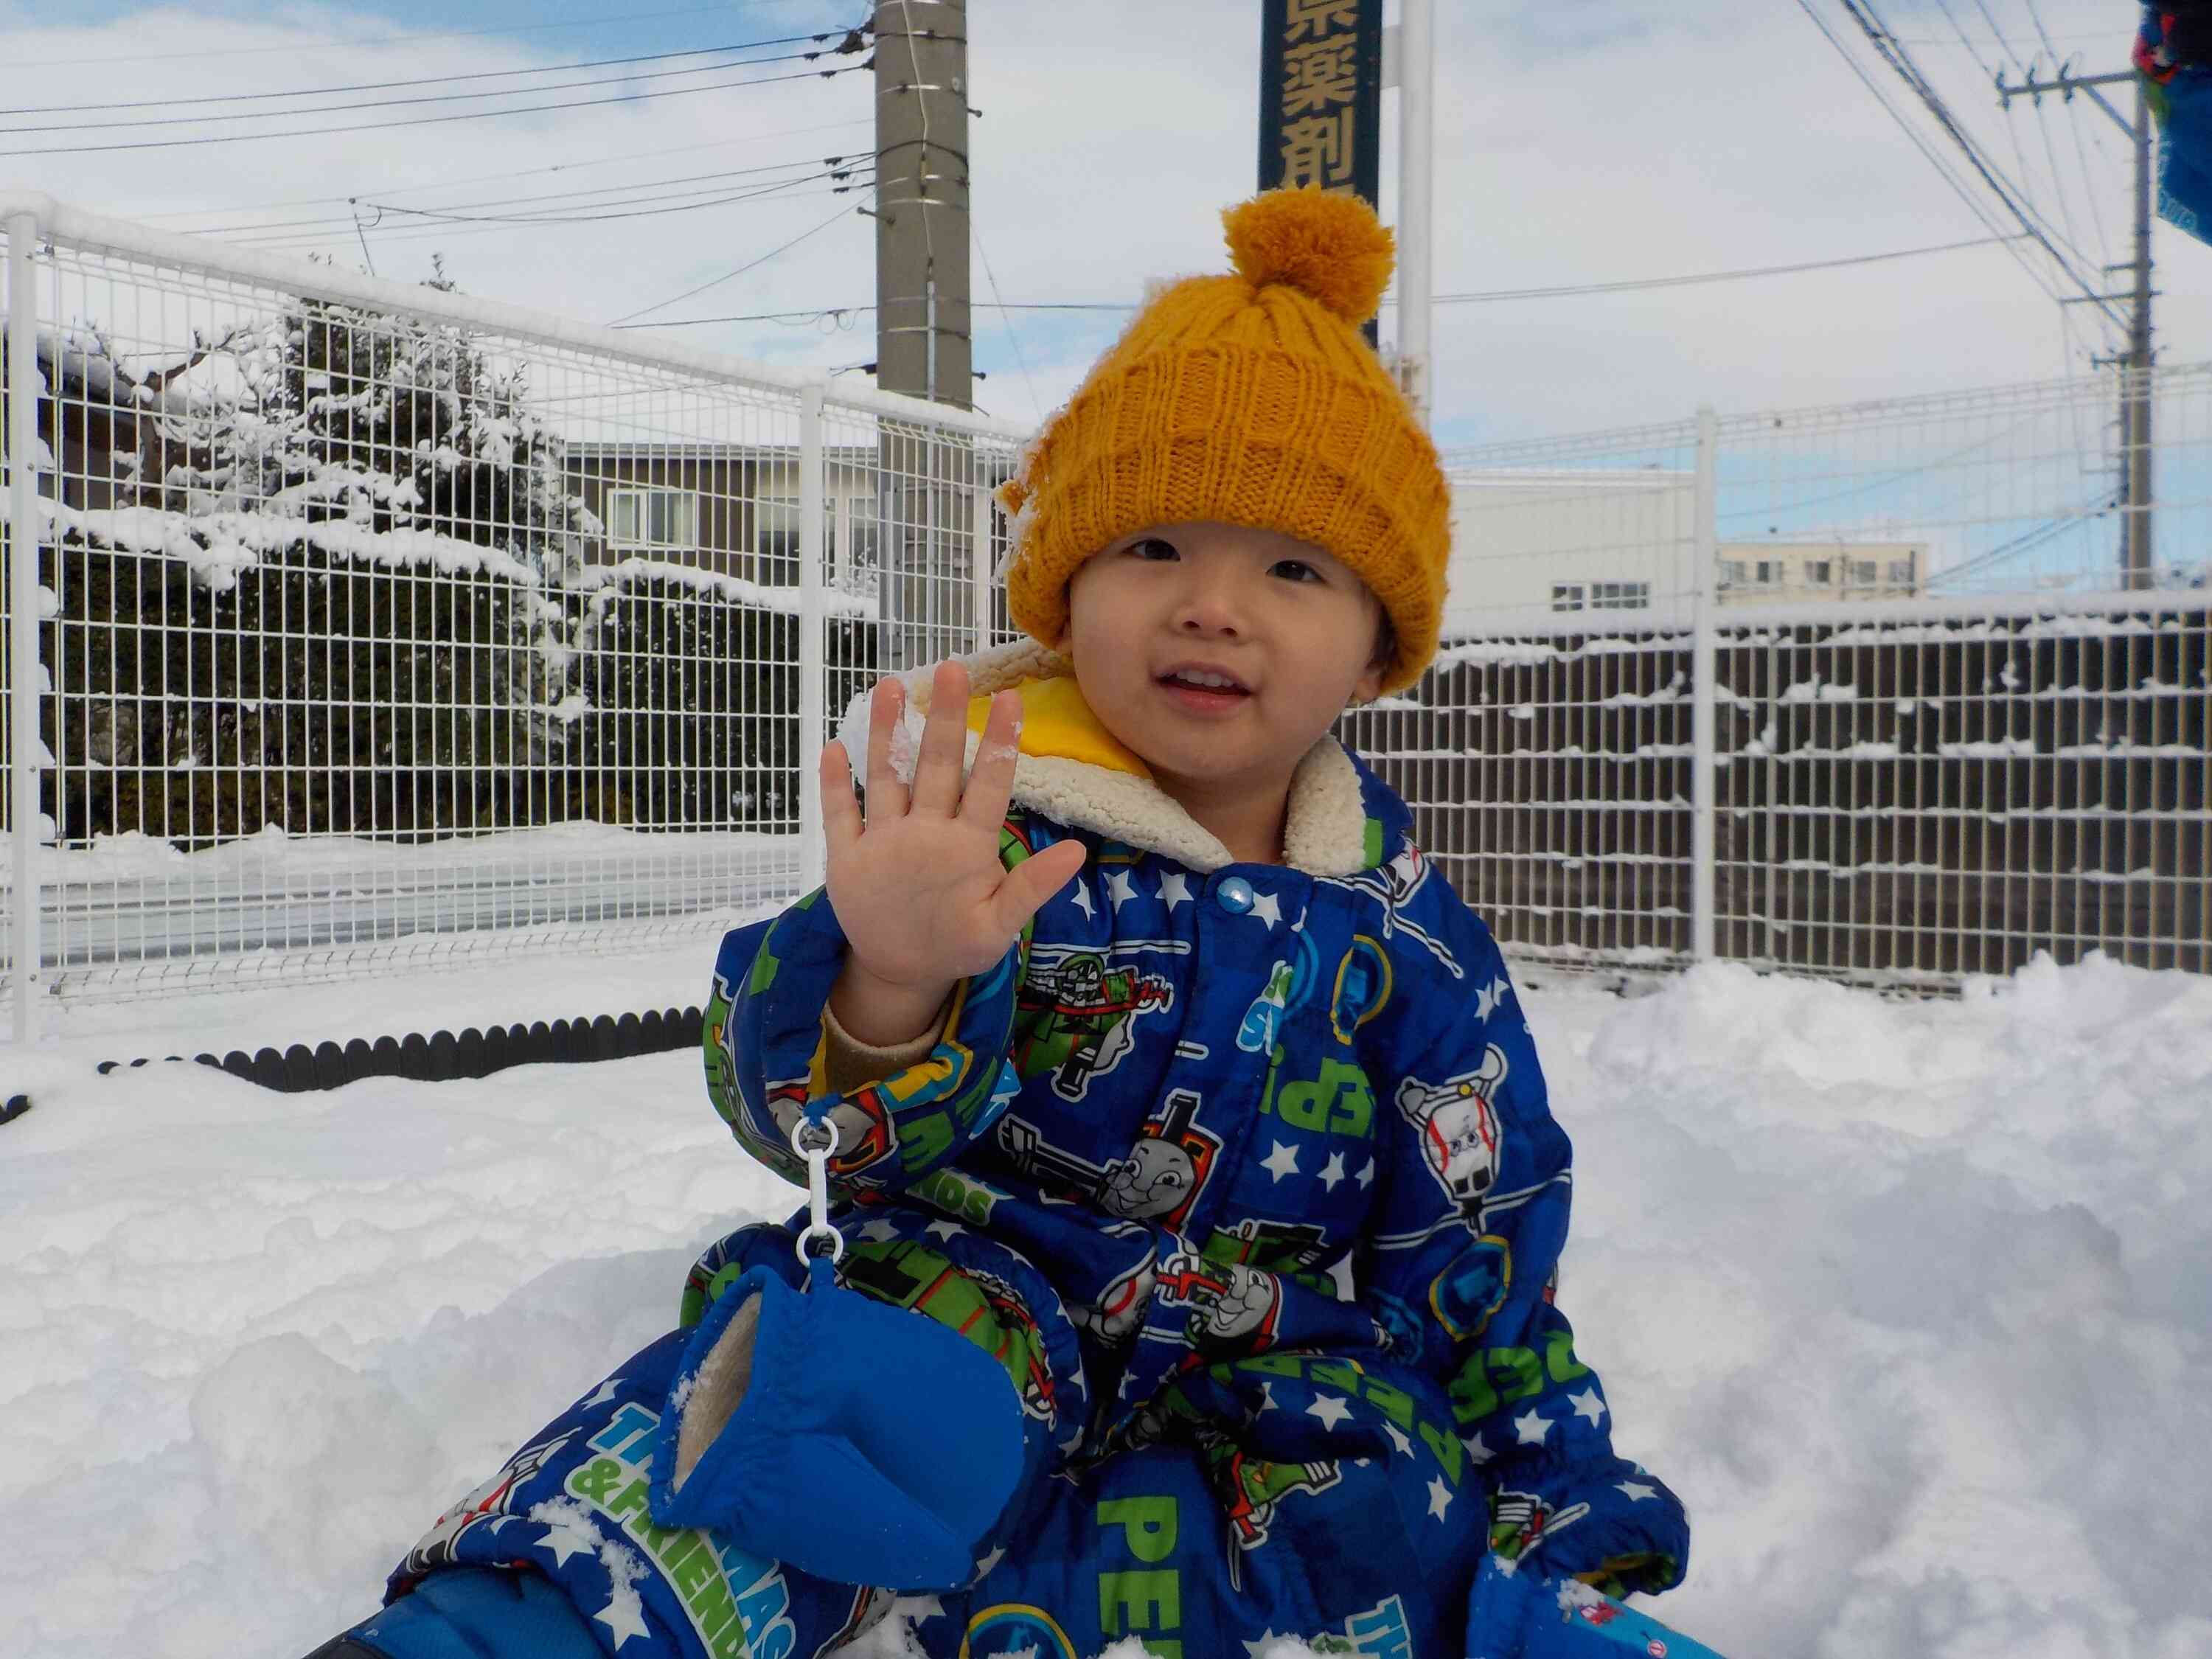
{"x": 813, "y": 664}
{"x": 2136, "y": 429}
{"x": 1704, "y": 662}
{"x": 23, "y": 752}
{"x": 1417, "y": 94}
{"x": 979, "y": 575}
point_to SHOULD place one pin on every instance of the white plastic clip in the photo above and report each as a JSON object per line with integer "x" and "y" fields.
{"x": 816, "y": 1139}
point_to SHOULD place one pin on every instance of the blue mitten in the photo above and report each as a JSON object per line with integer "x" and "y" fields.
{"x": 860, "y": 1443}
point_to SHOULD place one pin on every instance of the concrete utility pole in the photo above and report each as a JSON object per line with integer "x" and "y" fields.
{"x": 926, "y": 497}
{"x": 2137, "y": 440}
{"x": 921, "y": 200}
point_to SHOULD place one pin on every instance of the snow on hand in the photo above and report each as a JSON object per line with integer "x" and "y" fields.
{"x": 1909, "y": 1300}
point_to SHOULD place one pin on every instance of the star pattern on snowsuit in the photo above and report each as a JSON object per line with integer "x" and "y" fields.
{"x": 624, "y": 1618}
{"x": 1331, "y": 1408}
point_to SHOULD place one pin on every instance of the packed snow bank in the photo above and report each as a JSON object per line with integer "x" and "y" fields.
{"x": 1909, "y": 1300}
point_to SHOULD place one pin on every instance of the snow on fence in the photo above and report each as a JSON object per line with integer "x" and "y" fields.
{"x": 373, "y": 624}
{"x": 1900, "y": 691}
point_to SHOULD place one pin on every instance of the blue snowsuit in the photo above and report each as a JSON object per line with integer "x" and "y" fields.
{"x": 1244, "y": 1174}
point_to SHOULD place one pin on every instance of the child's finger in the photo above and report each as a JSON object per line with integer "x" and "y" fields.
{"x": 1033, "y": 881}
{"x": 887, "y": 796}
{"x": 991, "y": 781}
{"x": 944, "y": 743}
{"x": 840, "y": 811}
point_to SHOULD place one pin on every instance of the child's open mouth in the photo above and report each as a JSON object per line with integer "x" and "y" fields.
{"x": 1205, "y": 690}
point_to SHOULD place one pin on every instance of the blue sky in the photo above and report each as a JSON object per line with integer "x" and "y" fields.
{"x": 1582, "y": 143}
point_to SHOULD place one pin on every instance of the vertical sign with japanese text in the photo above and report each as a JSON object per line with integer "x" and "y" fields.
{"x": 1321, "y": 96}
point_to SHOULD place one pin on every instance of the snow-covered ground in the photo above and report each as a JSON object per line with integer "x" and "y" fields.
{"x": 1912, "y": 1302}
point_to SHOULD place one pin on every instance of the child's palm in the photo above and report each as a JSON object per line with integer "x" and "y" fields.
{"x": 918, "y": 890}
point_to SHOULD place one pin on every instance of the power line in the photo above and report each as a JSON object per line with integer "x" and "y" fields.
{"x": 427, "y": 98}
{"x": 758, "y": 193}
{"x": 424, "y": 81}
{"x": 513, "y": 173}
{"x": 1491, "y": 296}
{"x": 347, "y": 44}
{"x": 728, "y": 276}
{"x": 435, "y": 120}
{"x": 626, "y": 190}
{"x": 439, "y": 233}
{"x": 1012, "y": 338}
{"x": 2030, "y": 221}
{"x": 1935, "y": 159}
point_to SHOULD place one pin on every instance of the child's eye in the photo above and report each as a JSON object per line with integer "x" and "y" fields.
{"x": 1153, "y": 548}
{"x": 1296, "y": 570}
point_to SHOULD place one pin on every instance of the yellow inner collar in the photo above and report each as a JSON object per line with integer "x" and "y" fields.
{"x": 1057, "y": 724}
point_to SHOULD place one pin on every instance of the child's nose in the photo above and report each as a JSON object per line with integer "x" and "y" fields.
{"x": 1212, "y": 606}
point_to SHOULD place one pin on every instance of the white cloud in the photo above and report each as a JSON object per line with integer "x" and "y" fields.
{"x": 1584, "y": 143}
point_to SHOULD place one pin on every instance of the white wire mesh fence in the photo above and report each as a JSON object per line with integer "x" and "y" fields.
{"x": 372, "y": 625}
{"x": 1900, "y": 691}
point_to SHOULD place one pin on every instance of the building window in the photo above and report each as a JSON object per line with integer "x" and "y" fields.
{"x": 1900, "y": 573}
{"x": 776, "y": 540}
{"x": 1819, "y": 573}
{"x": 1567, "y": 595}
{"x": 1619, "y": 596}
{"x": 1731, "y": 573}
{"x": 659, "y": 519}
{"x": 1770, "y": 572}
{"x": 1865, "y": 572}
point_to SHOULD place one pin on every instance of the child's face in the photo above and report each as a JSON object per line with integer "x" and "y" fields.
{"x": 1293, "y": 628}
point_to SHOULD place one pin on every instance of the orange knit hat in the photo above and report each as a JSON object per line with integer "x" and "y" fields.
{"x": 1249, "y": 399}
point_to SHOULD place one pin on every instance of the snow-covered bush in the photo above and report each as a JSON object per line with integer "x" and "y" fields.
{"x": 349, "y": 594}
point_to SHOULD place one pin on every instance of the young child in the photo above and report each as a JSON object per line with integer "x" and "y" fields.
{"x": 1192, "y": 1165}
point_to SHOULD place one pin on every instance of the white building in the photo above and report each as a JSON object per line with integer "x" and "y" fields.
{"x": 1537, "y": 544}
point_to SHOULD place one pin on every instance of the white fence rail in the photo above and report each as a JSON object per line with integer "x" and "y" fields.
{"x": 371, "y": 625}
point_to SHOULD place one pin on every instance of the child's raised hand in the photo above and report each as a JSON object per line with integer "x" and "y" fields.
{"x": 918, "y": 890}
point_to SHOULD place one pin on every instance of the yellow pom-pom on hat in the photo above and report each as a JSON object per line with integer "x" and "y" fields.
{"x": 1329, "y": 246}
{"x": 1248, "y": 399}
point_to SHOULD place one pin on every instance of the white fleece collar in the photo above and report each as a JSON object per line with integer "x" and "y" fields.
{"x": 1324, "y": 833}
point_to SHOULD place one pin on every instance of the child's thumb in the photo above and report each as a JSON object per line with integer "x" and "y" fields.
{"x": 1035, "y": 879}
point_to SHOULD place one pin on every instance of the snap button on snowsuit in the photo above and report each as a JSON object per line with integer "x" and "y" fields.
{"x": 1234, "y": 895}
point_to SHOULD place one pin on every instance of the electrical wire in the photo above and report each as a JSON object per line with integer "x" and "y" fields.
{"x": 1935, "y": 158}
{"x": 1491, "y": 296}
{"x": 627, "y": 191}
{"x": 293, "y": 48}
{"x": 727, "y": 276}
{"x": 415, "y": 233}
{"x": 2031, "y": 218}
{"x": 434, "y": 120}
{"x": 427, "y": 98}
{"x": 424, "y": 81}
{"x": 1007, "y": 322}
{"x": 514, "y": 173}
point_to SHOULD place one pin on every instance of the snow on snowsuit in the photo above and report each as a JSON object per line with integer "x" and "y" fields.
{"x": 1245, "y": 1175}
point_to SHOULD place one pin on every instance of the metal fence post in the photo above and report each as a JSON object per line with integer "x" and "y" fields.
{"x": 1704, "y": 690}
{"x": 813, "y": 661}
{"x": 979, "y": 570}
{"x": 23, "y": 384}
